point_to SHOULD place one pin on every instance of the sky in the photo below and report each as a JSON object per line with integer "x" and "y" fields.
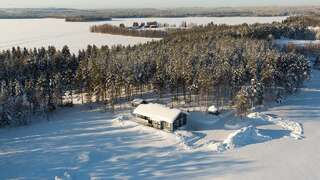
{"x": 103, "y": 4}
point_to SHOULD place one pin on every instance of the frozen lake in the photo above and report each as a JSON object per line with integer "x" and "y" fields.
{"x": 201, "y": 20}
{"x": 32, "y": 33}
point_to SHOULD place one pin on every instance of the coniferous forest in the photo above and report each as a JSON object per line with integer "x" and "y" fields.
{"x": 236, "y": 65}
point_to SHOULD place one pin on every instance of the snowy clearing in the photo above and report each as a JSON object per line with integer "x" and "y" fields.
{"x": 79, "y": 143}
{"x": 295, "y": 127}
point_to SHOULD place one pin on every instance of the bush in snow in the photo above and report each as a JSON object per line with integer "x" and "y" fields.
{"x": 11, "y": 112}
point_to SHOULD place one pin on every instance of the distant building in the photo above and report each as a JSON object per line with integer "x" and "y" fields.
{"x": 142, "y": 25}
{"x": 135, "y": 24}
{"x": 153, "y": 24}
{"x": 160, "y": 117}
{"x": 122, "y": 25}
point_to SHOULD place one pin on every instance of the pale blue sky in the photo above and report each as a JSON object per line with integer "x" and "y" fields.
{"x": 149, "y": 3}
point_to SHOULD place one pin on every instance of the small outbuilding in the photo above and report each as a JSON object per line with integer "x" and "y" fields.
{"x": 137, "y": 102}
{"x": 160, "y": 117}
{"x": 213, "y": 110}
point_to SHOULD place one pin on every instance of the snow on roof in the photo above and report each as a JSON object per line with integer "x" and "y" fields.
{"x": 157, "y": 112}
{"x": 138, "y": 101}
{"x": 212, "y": 109}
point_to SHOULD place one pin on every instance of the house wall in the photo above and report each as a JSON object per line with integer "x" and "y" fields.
{"x": 180, "y": 121}
{"x": 170, "y": 127}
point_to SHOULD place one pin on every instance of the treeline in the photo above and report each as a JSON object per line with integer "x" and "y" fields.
{"x": 153, "y": 12}
{"x": 255, "y": 31}
{"x": 87, "y": 18}
{"x": 110, "y": 29}
{"x": 236, "y": 71}
{"x": 303, "y": 20}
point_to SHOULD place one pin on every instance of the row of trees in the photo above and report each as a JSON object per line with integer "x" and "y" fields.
{"x": 236, "y": 70}
{"x": 255, "y": 31}
{"x": 110, "y": 29}
{"x": 303, "y": 20}
{"x": 87, "y": 18}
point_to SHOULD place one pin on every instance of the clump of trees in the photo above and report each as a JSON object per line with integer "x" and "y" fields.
{"x": 311, "y": 20}
{"x": 122, "y": 30}
{"x": 219, "y": 64}
{"x": 255, "y": 31}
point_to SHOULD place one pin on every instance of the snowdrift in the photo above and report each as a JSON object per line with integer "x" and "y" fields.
{"x": 188, "y": 139}
{"x": 244, "y": 136}
{"x": 295, "y": 128}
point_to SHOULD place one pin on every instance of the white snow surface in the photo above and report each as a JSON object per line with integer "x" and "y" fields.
{"x": 295, "y": 127}
{"x": 79, "y": 143}
{"x": 199, "y": 20}
{"x": 32, "y": 33}
{"x": 244, "y": 136}
{"x": 212, "y": 109}
{"x": 157, "y": 112}
{"x": 283, "y": 42}
{"x": 37, "y": 33}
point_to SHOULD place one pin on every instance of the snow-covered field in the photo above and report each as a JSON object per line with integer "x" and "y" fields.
{"x": 32, "y": 33}
{"x": 79, "y": 143}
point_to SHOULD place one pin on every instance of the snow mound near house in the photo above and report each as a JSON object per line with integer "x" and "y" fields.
{"x": 244, "y": 136}
{"x": 212, "y": 109}
{"x": 188, "y": 139}
{"x": 121, "y": 120}
{"x": 295, "y": 128}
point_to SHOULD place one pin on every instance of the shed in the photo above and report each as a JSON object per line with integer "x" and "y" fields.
{"x": 137, "y": 102}
{"x": 160, "y": 116}
{"x": 213, "y": 110}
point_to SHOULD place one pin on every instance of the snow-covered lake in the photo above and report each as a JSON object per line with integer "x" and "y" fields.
{"x": 283, "y": 42}
{"x": 32, "y": 33}
{"x": 201, "y": 20}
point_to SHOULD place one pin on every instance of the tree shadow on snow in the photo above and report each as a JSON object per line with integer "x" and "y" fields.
{"x": 84, "y": 144}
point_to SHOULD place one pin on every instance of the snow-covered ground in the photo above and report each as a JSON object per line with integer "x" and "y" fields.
{"x": 32, "y": 33}
{"x": 284, "y": 42}
{"x": 79, "y": 143}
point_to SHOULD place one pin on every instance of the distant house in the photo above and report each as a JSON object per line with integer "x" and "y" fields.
{"x": 153, "y": 24}
{"x": 142, "y": 25}
{"x": 135, "y": 24}
{"x": 160, "y": 117}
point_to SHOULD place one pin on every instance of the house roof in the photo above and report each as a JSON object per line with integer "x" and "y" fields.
{"x": 138, "y": 101}
{"x": 157, "y": 112}
{"x": 212, "y": 109}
